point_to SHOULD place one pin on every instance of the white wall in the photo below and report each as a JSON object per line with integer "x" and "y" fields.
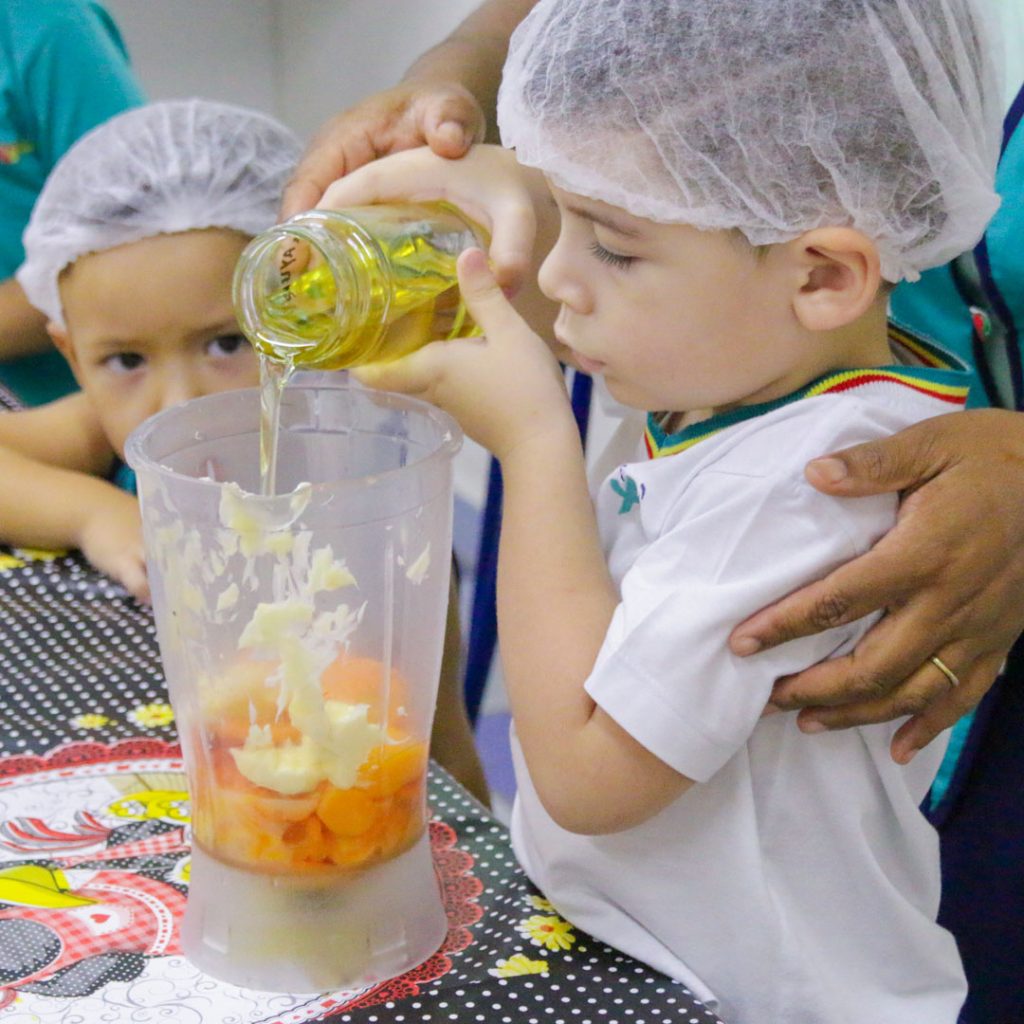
{"x": 300, "y": 60}
{"x": 334, "y": 52}
{"x": 220, "y": 49}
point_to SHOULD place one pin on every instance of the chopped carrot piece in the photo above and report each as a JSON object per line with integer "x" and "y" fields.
{"x": 308, "y": 840}
{"x": 402, "y": 827}
{"x": 393, "y": 765}
{"x": 354, "y": 851}
{"x": 347, "y": 812}
{"x": 361, "y": 681}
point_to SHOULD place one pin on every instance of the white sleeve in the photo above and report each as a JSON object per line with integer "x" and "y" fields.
{"x": 739, "y": 542}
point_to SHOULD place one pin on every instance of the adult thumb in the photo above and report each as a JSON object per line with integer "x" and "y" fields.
{"x": 909, "y": 458}
{"x": 452, "y": 122}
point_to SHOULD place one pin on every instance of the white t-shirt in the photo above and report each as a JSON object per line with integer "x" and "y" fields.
{"x": 797, "y": 882}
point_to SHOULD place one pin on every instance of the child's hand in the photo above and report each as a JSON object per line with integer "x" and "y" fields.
{"x": 111, "y": 539}
{"x": 487, "y": 184}
{"x": 506, "y": 389}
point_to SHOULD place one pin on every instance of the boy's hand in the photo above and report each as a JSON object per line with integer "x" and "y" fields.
{"x": 111, "y": 539}
{"x": 487, "y": 184}
{"x": 444, "y": 116}
{"x": 506, "y": 389}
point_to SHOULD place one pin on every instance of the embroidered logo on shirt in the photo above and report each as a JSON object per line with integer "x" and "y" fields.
{"x": 12, "y": 152}
{"x": 625, "y": 487}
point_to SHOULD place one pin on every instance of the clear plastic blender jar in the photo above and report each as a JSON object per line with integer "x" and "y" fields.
{"x": 301, "y": 635}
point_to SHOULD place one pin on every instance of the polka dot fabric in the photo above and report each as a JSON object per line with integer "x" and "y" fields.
{"x": 525, "y": 965}
{"x": 80, "y": 669}
{"x": 78, "y": 656}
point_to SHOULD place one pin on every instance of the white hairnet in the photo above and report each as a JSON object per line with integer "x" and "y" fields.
{"x": 770, "y": 116}
{"x": 157, "y": 169}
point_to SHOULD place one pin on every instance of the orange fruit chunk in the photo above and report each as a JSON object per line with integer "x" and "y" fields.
{"x": 404, "y": 822}
{"x": 347, "y": 812}
{"x": 354, "y": 851}
{"x": 391, "y": 766}
{"x": 357, "y": 680}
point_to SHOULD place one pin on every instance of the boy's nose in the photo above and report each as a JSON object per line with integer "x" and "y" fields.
{"x": 560, "y": 284}
{"x": 177, "y": 388}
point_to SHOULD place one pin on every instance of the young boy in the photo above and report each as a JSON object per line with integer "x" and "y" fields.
{"x": 130, "y": 253}
{"x": 738, "y": 184}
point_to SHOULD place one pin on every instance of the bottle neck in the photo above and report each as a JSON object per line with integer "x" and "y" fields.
{"x": 305, "y": 286}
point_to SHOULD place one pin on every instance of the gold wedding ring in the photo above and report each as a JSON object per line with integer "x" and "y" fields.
{"x": 945, "y": 670}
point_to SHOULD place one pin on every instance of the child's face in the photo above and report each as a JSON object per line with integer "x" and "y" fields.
{"x": 150, "y": 324}
{"x": 676, "y": 319}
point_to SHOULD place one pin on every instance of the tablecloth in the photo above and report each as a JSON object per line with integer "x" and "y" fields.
{"x": 94, "y": 854}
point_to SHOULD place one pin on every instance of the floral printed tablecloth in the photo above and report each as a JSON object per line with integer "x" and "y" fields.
{"x": 94, "y": 855}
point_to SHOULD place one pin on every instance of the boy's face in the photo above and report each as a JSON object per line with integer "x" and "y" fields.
{"x": 150, "y": 324}
{"x": 676, "y": 319}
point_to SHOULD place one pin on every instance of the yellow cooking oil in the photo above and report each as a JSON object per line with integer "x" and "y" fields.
{"x": 333, "y": 289}
{"x": 273, "y": 377}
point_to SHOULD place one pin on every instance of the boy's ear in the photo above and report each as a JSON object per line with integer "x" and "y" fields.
{"x": 839, "y": 276}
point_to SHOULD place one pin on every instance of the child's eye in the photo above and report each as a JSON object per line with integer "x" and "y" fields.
{"x": 613, "y": 259}
{"x": 227, "y": 345}
{"x": 124, "y": 362}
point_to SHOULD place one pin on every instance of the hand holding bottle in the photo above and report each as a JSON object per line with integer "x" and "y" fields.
{"x": 506, "y": 388}
{"x": 511, "y": 202}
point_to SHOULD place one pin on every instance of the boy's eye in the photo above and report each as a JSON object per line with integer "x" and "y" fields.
{"x": 613, "y": 259}
{"x": 124, "y": 362}
{"x": 227, "y": 345}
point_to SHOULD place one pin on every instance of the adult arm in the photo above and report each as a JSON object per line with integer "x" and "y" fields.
{"x": 950, "y": 576}
{"x": 445, "y": 100}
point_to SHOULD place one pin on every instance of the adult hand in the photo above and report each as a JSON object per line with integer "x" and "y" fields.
{"x": 950, "y": 576}
{"x": 444, "y": 116}
{"x": 111, "y": 539}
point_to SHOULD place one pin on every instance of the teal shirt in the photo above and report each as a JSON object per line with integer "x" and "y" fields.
{"x": 977, "y": 330}
{"x": 63, "y": 70}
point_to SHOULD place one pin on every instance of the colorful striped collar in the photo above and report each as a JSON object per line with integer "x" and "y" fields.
{"x": 938, "y": 373}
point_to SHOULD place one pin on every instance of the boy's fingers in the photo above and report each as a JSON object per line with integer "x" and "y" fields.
{"x": 364, "y": 186}
{"x": 413, "y": 374}
{"x": 483, "y": 295}
{"x": 513, "y": 223}
{"x": 514, "y": 232}
{"x": 135, "y": 581}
